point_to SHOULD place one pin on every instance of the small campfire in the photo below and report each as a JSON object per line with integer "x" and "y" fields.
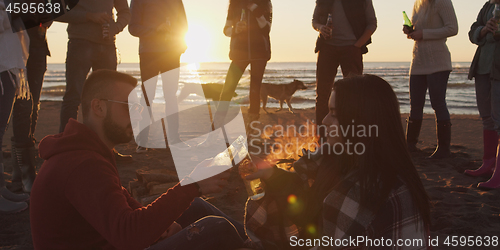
{"x": 285, "y": 142}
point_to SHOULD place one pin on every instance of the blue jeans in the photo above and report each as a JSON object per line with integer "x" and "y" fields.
{"x": 25, "y": 112}
{"x": 483, "y": 98}
{"x": 437, "y": 84}
{"x": 82, "y": 55}
{"x": 204, "y": 227}
{"x": 495, "y": 104}
{"x": 6, "y": 101}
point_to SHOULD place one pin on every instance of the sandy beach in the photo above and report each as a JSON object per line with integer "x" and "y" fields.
{"x": 459, "y": 208}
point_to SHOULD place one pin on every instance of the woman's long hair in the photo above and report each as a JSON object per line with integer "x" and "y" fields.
{"x": 368, "y": 102}
{"x": 421, "y": 10}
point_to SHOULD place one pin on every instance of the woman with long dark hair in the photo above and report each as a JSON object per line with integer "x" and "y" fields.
{"x": 433, "y": 22}
{"x": 359, "y": 183}
{"x": 248, "y": 24}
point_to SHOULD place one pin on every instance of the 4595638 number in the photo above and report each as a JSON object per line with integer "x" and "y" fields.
{"x": 471, "y": 241}
{"x": 39, "y": 8}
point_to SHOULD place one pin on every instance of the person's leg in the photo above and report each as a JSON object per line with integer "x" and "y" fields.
{"x": 149, "y": 66}
{"x": 438, "y": 83}
{"x": 418, "y": 90}
{"x": 490, "y": 136}
{"x": 6, "y": 103}
{"x": 21, "y": 121}
{"x": 170, "y": 70}
{"x": 210, "y": 232}
{"x": 8, "y": 200}
{"x": 78, "y": 64}
{"x": 25, "y": 112}
{"x": 351, "y": 61}
{"x": 257, "y": 73}
{"x": 23, "y": 151}
{"x": 326, "y": 70}
{"x": 234, "y": 73}
{"x": 36, "y": 83}
{"x": 494, "y": 181}
{"x": 199, "y": 208}
{"x": 103, "y": 56}
{"x": 495, "y": 104}
{"x": 483, "y": 99}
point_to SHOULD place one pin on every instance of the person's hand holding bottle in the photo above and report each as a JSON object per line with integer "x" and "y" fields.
{"x": 325, "y": 31}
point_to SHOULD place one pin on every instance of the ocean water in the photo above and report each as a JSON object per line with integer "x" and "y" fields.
{"x": 460, "y": 95}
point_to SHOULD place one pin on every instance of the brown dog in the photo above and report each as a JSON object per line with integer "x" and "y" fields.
{"x": 207, "y": 90}
{"x": 280, "y": 92}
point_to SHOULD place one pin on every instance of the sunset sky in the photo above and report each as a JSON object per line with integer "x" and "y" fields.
{"x": 292, "y": 36}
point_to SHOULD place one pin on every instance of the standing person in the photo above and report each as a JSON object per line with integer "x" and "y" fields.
{"x": 161, "y": 26}
{"x": 14, "y": 53}
{"x": 91, "y": 31}
{"x": 344, "y": 43}
{"x": 433, "y": 22}
{"x": 486, "y": 73}
{"x": 25, "y": 111}
{"x": 248, "y": 24}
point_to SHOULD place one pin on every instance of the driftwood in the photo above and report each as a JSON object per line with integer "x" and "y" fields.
{"x": 156, "y": 175}
{"x": 150, "y": 184}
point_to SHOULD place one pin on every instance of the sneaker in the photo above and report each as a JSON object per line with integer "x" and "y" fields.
{"x": 141, "y": 150}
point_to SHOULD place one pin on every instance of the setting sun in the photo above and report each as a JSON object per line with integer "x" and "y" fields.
{"x": 199, "y": 40}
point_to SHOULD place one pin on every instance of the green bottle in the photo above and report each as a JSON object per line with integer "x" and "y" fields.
{"x": 407, "y": 22}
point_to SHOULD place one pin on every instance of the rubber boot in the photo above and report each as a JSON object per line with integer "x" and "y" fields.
{"x": 443, "y": 130}
{"x": 16, "y": 171}
{"x": 26, "y": 160}
{"x": 6, "y": 193}
{"x": 494, "y": 181}
{"x": 412, "y": 132}
{"x": 490, "y": 143}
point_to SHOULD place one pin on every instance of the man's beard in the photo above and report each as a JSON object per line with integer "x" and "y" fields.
{"x": 114, "y": 132}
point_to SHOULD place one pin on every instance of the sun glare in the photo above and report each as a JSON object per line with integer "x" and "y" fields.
{"x": 199, "y": 41}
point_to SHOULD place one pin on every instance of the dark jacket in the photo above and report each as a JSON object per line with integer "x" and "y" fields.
{"x": 354, "y": 11}
{"x": 474, "y": 29}
{"x": 78, "y": 201}
{"x": 254, "y": 44}
{"x": 148, "y": 15}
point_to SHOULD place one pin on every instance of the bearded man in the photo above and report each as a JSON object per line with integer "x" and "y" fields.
{"x": 78, "y": 202}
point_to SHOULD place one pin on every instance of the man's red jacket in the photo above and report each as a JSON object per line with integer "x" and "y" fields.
{"x": 78, "y": 201}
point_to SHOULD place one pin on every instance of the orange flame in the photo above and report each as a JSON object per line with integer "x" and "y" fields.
{"x": 287, "y": 141}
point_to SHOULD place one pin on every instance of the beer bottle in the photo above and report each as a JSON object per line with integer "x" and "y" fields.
{"x": 329, "y": 23}
{"x": 496, "y": 15}
{"x": 407, "y": 22}
{"x": 105, "y": 31}
{"x": 242, "y": 17}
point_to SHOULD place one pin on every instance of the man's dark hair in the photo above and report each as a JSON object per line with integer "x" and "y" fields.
{"x": 99, "y": 83}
